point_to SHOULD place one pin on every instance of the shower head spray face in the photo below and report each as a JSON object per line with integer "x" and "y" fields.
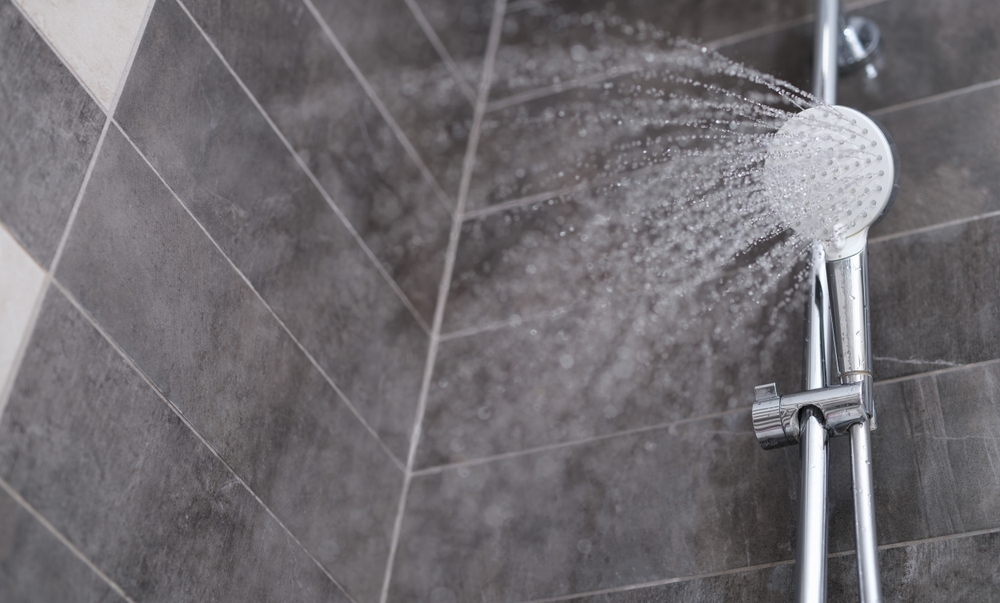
{"x": 832, "y": 172}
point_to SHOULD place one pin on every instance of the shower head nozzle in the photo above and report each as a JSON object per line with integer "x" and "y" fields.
{"x": 832, "y": 172}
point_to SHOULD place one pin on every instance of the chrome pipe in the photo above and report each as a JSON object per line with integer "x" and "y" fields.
{"x": 817, "y": 371}
{"x": 811, "y": 546}
{"x": 869, "y": 578}
{"x": 851, "y": 322}
{"x": 852, "y": 327}
{"x": 827, "y": 48}
{"x": 811, "y": 551}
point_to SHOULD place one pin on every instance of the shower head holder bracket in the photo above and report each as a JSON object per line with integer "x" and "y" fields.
{"x": 776, "y": 417}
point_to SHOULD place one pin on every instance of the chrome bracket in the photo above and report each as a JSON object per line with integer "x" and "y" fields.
{"x": 860, "y": 45}
{"x": 776, "y": 417}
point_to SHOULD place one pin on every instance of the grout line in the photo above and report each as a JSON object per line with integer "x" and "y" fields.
{"x": 312, "y": 177}
{"x": 754, "y": 568}
{"x": 63, "y": 539}
{"x": 787, "y": 24}
{"x": 569, "y": 190}
{"x": 131, "y": 58}
{"x": 582, "y": 442}
{"x": 935, "y": 373}
{"x": 446, "y": 57}
{"x": 394, "y": 543}
{"x": 664, "y": 582}
{"x": 529, "y": 200}
{"x": 665, "y": 425}
{"x": 636, "y": 430}
{"x": 540, "y": 197}
{"x": 537, "y": 93}
{"x": 936, "y": 97}
{"x": 758, "y": 32}
{"x": 514, "y": 321}
{"x": 270, "y": 310}
{"x": 523, "y": 4}
{"x": 544, "y": 91}
{"x": 8, "y": 387}
{"x": 180, "y": 415}
{"x": 933, "y": 227}
{"x": 496, "y": 26}
{"x": 17, "y": 6}
{"x": 370, "y": 91}
{"x": 919, "y": 541}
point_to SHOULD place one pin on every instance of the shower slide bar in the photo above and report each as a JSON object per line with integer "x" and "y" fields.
{"x": 837, "y": 380}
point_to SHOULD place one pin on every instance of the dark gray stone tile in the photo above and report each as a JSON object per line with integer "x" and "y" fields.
{"x": 50, "y": 129}
{"x": 292, "y": 69}
{"x": 215, "y": 150}
{"x": 774, "y": 584}
{"x": 933, "y": 453}
{"x": 396, "y": 57}
{"x": 542, "y": 44}
{"x": 959, "y": 569}
{"x": 36, "y": 567}
{"x": 661, "y": 231}
{"x": 141, "y": 266}
{"x": 931, "y": 457}
{"x": 695, "y": 498}
{"x": 934, "y": 299}
{"x": 596, "y": 314}
{"x": 652, "y": 118}
{"x": 700, "y": 497}
{"x": 591, "y": 372}
{"x": 463, "y": 26}
{"x": 929, "y": 48}
{"x": 947, "y": 151}
{"x": 89, "y": 445}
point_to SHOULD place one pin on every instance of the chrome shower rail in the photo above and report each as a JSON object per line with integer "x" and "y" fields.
{"x": 827, "y": 48}
{"x": 837, "y": 362}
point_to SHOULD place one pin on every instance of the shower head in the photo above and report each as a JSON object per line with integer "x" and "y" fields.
{"x": 832, "y": 172}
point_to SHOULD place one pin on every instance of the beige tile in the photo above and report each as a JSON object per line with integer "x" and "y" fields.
{"x": 21, "y": 281}
{"x": 94, "y": 37}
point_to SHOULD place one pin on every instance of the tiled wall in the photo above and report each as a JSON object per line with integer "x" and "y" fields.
{"x": 225, "y": 226}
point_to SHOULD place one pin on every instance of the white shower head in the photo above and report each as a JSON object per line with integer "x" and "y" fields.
{"x": 832, "y": 172}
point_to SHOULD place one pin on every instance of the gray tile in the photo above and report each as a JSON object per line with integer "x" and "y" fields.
{"x": 212, "y": 146}
{"x": 933, "y": 299}
{"x": 947, "y": 151}
{"x": 535, "y": 49}
{"x": 592, "y": 372}
{"x": 396, "y": 57}
{"x": 931, "y": 452}
{"x": 932, "y": 456}
{"x": 463, "y": 26}
{"x": 775, "y": 584}
{"x": 50, "y": 129}
{"x": 652, "y": 118}
{"x": 929, "y": 48}
{"x": 694, "y": 498}
{"x": 90, "y": 446}
{"x": 654, "y": 232}
{"x": 141, "y": 266}
{"x": 296, "y": 74}
{"x": 36, "y": 567}
{"x": 959, "y": 569}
